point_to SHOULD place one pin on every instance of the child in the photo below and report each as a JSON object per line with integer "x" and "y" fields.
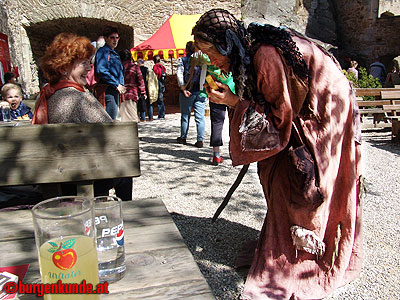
{"x": 12, "y": 93}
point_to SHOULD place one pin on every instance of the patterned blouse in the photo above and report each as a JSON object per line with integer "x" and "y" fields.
{"x": 69, "y": 105}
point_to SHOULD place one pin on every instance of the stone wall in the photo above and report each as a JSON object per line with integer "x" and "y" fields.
{"x": 315, "y": 18}
{"x": 360, "y": 29}
{"x": 364, "y": 35}
{"x": 31, "y": 25}
{"x": 390, "y": 6}
{"x": 349, "y": 28}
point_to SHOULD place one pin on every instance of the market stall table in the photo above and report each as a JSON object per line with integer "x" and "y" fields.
{"x": 159, "y": 265}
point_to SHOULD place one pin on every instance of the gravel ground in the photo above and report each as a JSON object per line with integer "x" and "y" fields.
{"x": 192, "y": 189}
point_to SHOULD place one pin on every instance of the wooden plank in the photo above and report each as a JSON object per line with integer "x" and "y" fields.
{"x": 393, "y": 110}
{"x": 395, "y": 94}
{"x": 151, "y": 212}
{"x": 373, "y": 91}
{"x": 366, "y": 111}
{"x": 54, "y": 153}
{"x": 85, "y": 188}
{"x": 157, "y": 268}
{"x": 367, "y": 92}
{"x": 373, "y": 103}
{"x": 375, "y": 125}
{"x": 189, "y": 290}
{"x": 394, "y": 107}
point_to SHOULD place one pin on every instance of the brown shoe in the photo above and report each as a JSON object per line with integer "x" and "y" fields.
{"x": 199, "y": 144}
{"x": 181, "y": 141}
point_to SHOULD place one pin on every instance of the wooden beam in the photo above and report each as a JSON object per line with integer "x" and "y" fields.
{"x": 390, "y": 94}
{"x": 363, "y": 103}
{"x": 53, "y": 153}
{"x": 372, "y": 91}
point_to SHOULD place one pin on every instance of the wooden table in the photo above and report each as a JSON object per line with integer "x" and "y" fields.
{"x": 159, "y": 265}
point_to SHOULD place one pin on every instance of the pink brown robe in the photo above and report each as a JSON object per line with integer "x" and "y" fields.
{"x": 310, "y": 242}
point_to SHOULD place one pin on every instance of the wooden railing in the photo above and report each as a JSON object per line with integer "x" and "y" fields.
{"x": 76, "y": 153}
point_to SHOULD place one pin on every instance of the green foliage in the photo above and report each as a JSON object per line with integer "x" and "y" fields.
{"x": 367, "y": 81}
{"x": 351, "y": 77}
{"x": 364, "y": 80}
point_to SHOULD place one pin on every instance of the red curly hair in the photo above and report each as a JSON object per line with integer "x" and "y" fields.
{"x": 62, "y": 52}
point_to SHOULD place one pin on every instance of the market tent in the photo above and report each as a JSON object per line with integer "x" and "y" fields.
{"x": 170, "y": 39}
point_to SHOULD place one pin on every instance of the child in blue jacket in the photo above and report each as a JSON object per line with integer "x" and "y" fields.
{"x": 12, "y": 93}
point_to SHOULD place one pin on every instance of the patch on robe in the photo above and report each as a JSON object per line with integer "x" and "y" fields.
{"x": 307, "y": 240}
{"x": 258, "y": 133}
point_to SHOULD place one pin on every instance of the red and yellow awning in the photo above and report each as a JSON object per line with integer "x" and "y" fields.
{"x": 170, "y": 39}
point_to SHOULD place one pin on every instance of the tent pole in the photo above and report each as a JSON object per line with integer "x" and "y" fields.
{"x": 172, "y": 68}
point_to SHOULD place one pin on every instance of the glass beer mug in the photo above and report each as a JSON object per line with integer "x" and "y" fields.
{"x": 65, "y": 239}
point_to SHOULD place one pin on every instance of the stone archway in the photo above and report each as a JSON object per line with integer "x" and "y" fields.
{"x": 31, "y": 25}
{"x": 41, "y": 34}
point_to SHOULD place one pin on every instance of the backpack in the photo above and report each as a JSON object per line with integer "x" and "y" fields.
{"x": 163, "y": 76}
{"x": 161, "y": 81}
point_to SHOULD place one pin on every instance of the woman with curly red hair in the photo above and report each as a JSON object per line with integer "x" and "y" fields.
{"x": 64, "y": 99}
{"x": 65, "y": 65}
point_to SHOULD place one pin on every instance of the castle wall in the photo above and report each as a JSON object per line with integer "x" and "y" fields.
{"x": 360, "y": 29}
{"x": 31, "y": 25}
{"x": 350, "y": 28}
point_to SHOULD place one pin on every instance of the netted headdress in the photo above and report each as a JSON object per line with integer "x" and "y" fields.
{"x": 231, "y": 39}
{"x": 212, "y": 25}
{"x": 228, "y": 35}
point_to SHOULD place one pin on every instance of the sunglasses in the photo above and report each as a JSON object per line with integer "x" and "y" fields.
{"x": 114, "y": 37}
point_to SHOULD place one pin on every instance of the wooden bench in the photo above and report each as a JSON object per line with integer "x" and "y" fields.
{"x": 75, "y": 153}
{"x": 393, "y": 113}
{"x": 372, "y": 109}
{"x": 393, "y": 109}
{"x": 375, "y": 108}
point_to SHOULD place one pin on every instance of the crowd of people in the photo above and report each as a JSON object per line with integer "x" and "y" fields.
{"x": 378, "y": 71}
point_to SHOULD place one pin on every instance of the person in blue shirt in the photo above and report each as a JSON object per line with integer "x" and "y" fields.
{"x": 12, "y": 93}
{"x": 378, "y": 70}
{"x": 110, "y": 71}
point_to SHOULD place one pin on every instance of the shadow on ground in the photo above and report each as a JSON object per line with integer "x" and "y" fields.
{"x": 208, "y": 243}
{"x": 381, "y": 139}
